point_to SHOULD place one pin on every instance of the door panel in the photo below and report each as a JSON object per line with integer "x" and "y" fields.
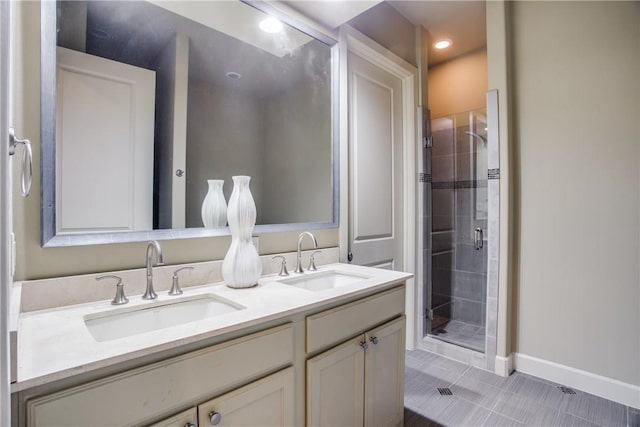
{"x": 112, "y": 190}
{"x": 375, "y": 164}
{"x": 457, "y": 297}
{"x": 266, "y": 402}
{"x": 335, "y": 386}
{"x": 384, "y": 375}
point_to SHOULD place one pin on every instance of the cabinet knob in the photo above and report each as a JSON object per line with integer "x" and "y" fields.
{"x": 364, "y": 345}
{"x": 215, "y": 418}
{"x": 374, "y": 340}
{"x": 190, "y": 425}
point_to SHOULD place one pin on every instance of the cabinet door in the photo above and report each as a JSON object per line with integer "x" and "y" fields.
{"x": 384, "y": 375}
{"x": 188, "y": 418}
{"x": 335, "y": 386}
{"x": 266, "y": 402}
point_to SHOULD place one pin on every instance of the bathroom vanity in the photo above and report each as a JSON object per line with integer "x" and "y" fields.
{"x": 319, "y": 348}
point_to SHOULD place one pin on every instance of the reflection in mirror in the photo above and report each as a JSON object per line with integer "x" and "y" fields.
{"x": 153, "y": 99}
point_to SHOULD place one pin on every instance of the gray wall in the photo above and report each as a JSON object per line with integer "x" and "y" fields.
{"x": 576, "y": 100}
{"x": 165, "y": 97}
{"x": 389, "y": 28}
{"x": 225, "y": 134}
{"x": 297, "y": 128}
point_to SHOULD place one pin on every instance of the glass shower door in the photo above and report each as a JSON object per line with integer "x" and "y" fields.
{"x": 458, "y": 223}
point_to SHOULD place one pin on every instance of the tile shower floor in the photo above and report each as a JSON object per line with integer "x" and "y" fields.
{"x": 479, "y": 398}
{"x": 460, "y": 333}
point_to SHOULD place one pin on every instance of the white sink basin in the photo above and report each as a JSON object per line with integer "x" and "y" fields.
{"x": 324, "y": 280}
{"x": 126, "y": 322}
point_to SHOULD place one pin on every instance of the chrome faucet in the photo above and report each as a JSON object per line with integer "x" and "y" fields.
{"x": 299, "y": 259}
{"x": 153, "y": 245}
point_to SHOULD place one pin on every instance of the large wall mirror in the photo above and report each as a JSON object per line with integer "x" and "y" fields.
{"x": 145, "y": 102}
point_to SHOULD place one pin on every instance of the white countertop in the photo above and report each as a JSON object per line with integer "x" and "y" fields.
{"x": 55, "y": 343}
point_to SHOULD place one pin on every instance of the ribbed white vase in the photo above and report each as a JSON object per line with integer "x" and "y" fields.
{"x": 241, "y": 267}
{"x": 214, "y": 206}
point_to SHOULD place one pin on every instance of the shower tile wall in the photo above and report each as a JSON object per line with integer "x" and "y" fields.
{"x": 442, "y": 236}
{"x": 458, "y": 269}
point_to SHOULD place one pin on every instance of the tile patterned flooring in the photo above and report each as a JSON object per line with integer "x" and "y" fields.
{"x": 483, "y": 399}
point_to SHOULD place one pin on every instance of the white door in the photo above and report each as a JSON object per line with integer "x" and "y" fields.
{"x": 335, "y": 386}
{"x": 375, "y": 165}
{"x": 5, "y": 218}
{"x": 104, "y": 144}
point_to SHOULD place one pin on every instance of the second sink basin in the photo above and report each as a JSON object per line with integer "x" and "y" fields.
{"x": 126, "y": 322}
{"x": 323, "y": 280}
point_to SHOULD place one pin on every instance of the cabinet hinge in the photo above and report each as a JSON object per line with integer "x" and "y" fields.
{"x": 429, "y": 314}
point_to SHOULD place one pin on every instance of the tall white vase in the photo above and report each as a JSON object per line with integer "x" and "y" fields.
{"x": 241, "y": 267}
{"x": 214, "y": 206}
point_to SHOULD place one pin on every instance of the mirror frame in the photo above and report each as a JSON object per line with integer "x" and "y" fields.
{"x": 48, "y": 41}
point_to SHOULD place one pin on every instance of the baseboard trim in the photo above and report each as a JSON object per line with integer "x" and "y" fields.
{"x": 608, "y": 388}
{"x": 504, "y": 365}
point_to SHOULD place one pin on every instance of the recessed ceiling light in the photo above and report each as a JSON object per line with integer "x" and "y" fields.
{"x": 442, "y": 44}
{"x": 233, "y": 75}
{"x": 271, "y": 25}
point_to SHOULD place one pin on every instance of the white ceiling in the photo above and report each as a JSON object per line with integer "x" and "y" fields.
{"x": 463, "y": 22}
{"x": 331, "y": 13}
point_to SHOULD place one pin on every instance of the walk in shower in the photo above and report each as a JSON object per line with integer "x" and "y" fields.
{"x": 457, "y": 298}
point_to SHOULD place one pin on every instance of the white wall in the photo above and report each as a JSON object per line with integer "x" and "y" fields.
{"x": 576, "y": 87}
{"x": 297, "y": 128}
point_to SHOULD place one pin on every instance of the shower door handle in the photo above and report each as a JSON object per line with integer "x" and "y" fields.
{"x": 478, "y": 239}
{"x": 27, "y": 160}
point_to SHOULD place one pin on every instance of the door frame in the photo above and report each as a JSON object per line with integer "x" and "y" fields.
{"x": 351, "y": 40}
{"x": 5, "y": 215}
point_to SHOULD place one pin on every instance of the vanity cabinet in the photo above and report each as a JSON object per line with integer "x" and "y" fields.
{"x": 349, "y": 357}
{"x": 359, "y": 382}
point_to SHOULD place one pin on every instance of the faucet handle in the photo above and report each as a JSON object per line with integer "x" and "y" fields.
{"x": 312, "y": 261}
{"x": 283, "y": 266}
{"x": 175, "y": 284}
{"x": 120, "y": 297}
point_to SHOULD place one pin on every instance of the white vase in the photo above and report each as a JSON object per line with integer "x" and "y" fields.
{"x": 241, "y": 267}
{"x": 214, "y": 206}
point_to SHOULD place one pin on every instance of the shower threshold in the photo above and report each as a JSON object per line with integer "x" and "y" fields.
{"x": 460, "y": 333}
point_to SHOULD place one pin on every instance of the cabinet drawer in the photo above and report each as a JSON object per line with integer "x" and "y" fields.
{"x": 165, "y": 387}
{"x": 333, "y": 326}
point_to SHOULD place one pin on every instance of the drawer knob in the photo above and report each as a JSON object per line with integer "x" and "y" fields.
{"x": 374, "y": 340}
{"x": 364, "y": 345}
{"x": 215, "y": 418}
